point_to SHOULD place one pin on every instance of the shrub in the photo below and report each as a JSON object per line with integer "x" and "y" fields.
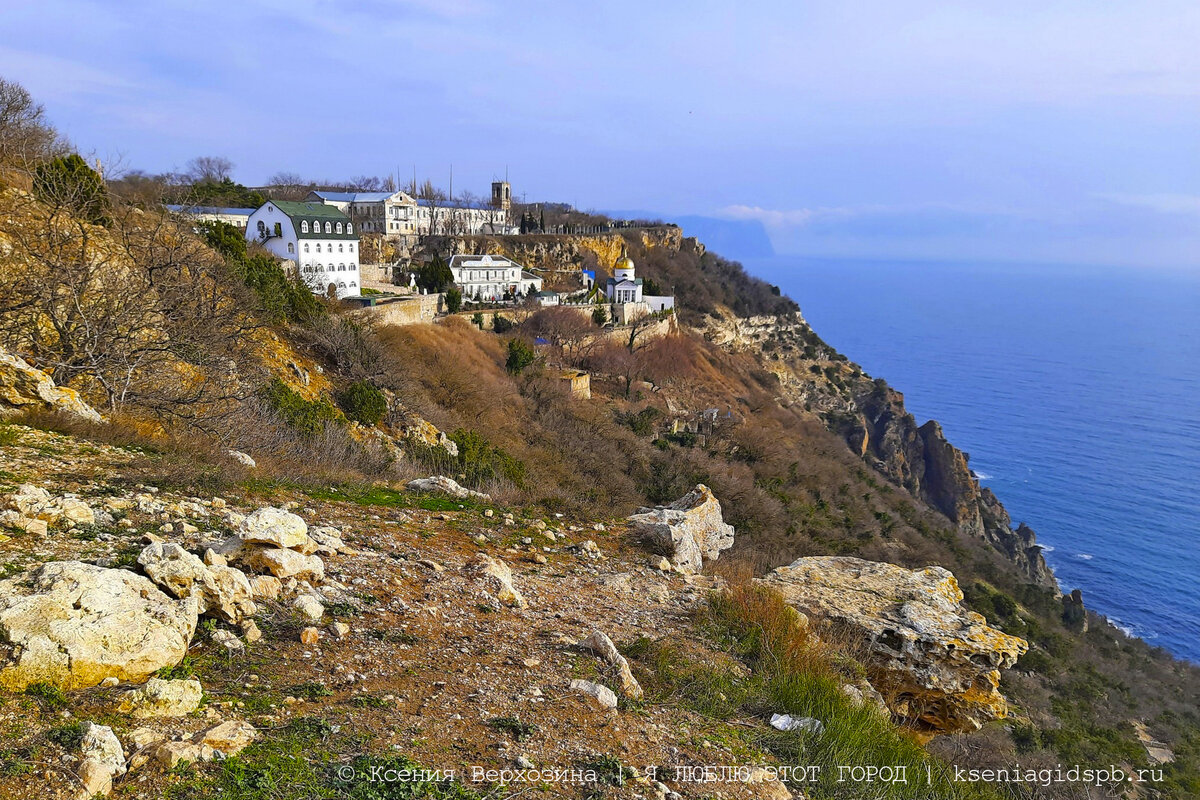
{"x": 363, "y": 402}
{"x": 520, "y": 355}
{"x": 477, "y": 320}
{"x": 308, "y": 417}
{"x": 453, "y": 299}
{"x": 480, "y": 461}
{"x": 67, "y": 181}
{"x": 600, "y": 315}
{"x": 502, "y": 324}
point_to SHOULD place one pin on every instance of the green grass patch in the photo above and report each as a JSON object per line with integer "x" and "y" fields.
{"x": 514, "y": 726}
{"x": 772, "y": 666}
{"x": 48, "y": 695}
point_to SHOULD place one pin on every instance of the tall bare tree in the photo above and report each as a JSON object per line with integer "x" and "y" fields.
{"x": 209, "y": 169}
{"x": 25, "y": 134}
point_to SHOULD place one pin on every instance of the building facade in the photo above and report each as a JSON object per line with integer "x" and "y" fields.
{"x": 388, "y": 213}
{"x": 320, "y": 239}
{"x": 624, "y": 291}
{"x": 488, "y": 277}
{"x": 236, "y": 217}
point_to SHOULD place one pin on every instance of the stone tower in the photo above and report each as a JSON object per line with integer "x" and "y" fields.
{"x": 502, "y": 195}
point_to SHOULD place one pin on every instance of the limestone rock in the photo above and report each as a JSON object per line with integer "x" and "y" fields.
{"x": 309, "y": 607}
{"x": 284, "y": 563}
{"x": 310, "y": 636}
{"x": 265, "y": 587}
{"x": 102, "y": 760}
{"x": 24, "y": 388}
{"x": 229, "y": 641}
{"x": 170, "y": 754}
{"x": 220, "y": 590}
{"x": 74, "y": 624}
{"x": 328, "y": 541}
{"x": 599, "y": 697}
{"x": 936, "y": 664}
{"x": 444, "y": 485}
{"x": 274, "y": 527}
{"x": 497, "y": 577}
{"x": 30, "y": 505}
{"x": 162, "y": 698}
{"x": 241, "y": 458}
{"x": 228, "y": 737}
{"x": 599, "y": 643}
{"x": 689, "y": 531}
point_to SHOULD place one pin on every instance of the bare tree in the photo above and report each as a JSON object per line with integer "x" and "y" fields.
{"x": 289, "y": 186}
{"x": 209, "y": 169}
{"x": 432, "y": 196}
{"x": 25, "y": 135}
{"x": 139, "y": 312}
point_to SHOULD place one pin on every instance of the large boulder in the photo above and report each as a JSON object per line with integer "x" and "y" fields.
{"x": 443, "y": 485}
{"x": 31, "y": 503}
{"x": 24, "y": 388}
{"x": 274, "y": 527}
{"x": 689, "y": 531}
{"x": 161, "y": 698}
{"x": 936, "y": 664}
{"x": 284, "y": 563}
{"x": 74, "y": 624}
{"x": 220, "y": 591}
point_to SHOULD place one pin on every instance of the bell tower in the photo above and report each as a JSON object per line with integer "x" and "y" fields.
{"x": 502, "y": 195}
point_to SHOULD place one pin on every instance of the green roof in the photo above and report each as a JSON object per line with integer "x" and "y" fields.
{"x": 314, "y": 213}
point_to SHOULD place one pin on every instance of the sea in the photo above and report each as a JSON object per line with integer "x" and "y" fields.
{"x": 1076, "y": 392}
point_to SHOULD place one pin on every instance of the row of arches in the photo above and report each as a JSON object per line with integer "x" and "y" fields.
{"x": 329, "y": 227}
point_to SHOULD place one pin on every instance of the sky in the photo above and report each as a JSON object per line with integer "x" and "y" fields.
{"x": 1017, "y": 131}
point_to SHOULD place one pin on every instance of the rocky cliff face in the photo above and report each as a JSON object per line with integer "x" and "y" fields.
{"x": 872, "y": 419}
{"x": 561, "y": 257}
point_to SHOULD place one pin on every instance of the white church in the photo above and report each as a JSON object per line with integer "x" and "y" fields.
{"x": 319, "y": 238}
{"x": 624, "y": 291}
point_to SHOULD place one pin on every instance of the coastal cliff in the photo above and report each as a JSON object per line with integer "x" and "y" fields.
{"x": 870, "y": 416}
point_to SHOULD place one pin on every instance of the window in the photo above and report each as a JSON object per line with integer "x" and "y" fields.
{"x": 352, "y": 247}
{"x": 306, "y": 247}
{"x": 349, "y": 228}
{"x": 339, "y": 227}
{"x": 320, "y": 268}
{"x": 291, "y": 247}
{"x": 341, "y": 247}
{"x": 304, "y": 226}
{"x": 318, "y": 247}
{"x": 262, "y": 228}
{"x": 279, "y": 229}
{"x": 353, "y": 285}
{"x": 328, "y": 227}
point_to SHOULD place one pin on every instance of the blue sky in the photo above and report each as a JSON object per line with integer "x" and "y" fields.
{"x": 1053, "y": 131}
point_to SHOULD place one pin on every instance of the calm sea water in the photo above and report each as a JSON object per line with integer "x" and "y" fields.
{"x": 1076, "y": 392}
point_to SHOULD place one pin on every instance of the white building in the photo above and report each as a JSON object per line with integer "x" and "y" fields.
{"x": 624, "y": 288}
{"x": 389, "y": 213}
{"x": 447, "y": 218}
{"x": 319, "y": 238}
{"x": 487, "y": 277}
{"x": 233, "y": 216}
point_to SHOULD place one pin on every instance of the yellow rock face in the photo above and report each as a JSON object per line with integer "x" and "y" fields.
{"x": 936, "y": 664}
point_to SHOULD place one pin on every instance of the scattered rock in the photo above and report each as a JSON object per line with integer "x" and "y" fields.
{"x": 328, "y": 541}
{"x": 227, "y": 738}
{"x": 102, "y": 760}
{"x": 229, "y": 641}
{"x": 599, "y": 697}
{"x": 161, "y": 698}
{"x": 74, "y": 624}
{"x": 265, "y": 587}
{"x": 274, "y": 527}
{"x": 221, "y": 591}
{"x": 443, "y": 485}
{"x": 497, "y": 577}
{"x": 689, "y": 531}
{"x": 284, "y": 563}
{"x": 599, "y": 643}
{"x": 936, "y": 664}
{"x": 309, "y": 607}
{"x": 310, "y": 636}
{"x": 340, "y": 630}
{"x": 241, "y": 458}
{"x": 250, "y": 631}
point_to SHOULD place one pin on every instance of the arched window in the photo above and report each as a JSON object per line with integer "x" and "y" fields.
{"x": 352, "y": 247}
{"x": 339, "y": 227}
{"x": 304, "y": 226}
{"x": 328, "y": 227}
{"x": 349, "y": 228}
{"x": 318, "y": 247}
{"x": 353, "y": 285}
{"x": 340, "y": 247}
{"x": 341, "y": 267}
{"x": 306, "y": 247}
{"x": 291, "y": 247}
{"x": 262, "y": 228}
